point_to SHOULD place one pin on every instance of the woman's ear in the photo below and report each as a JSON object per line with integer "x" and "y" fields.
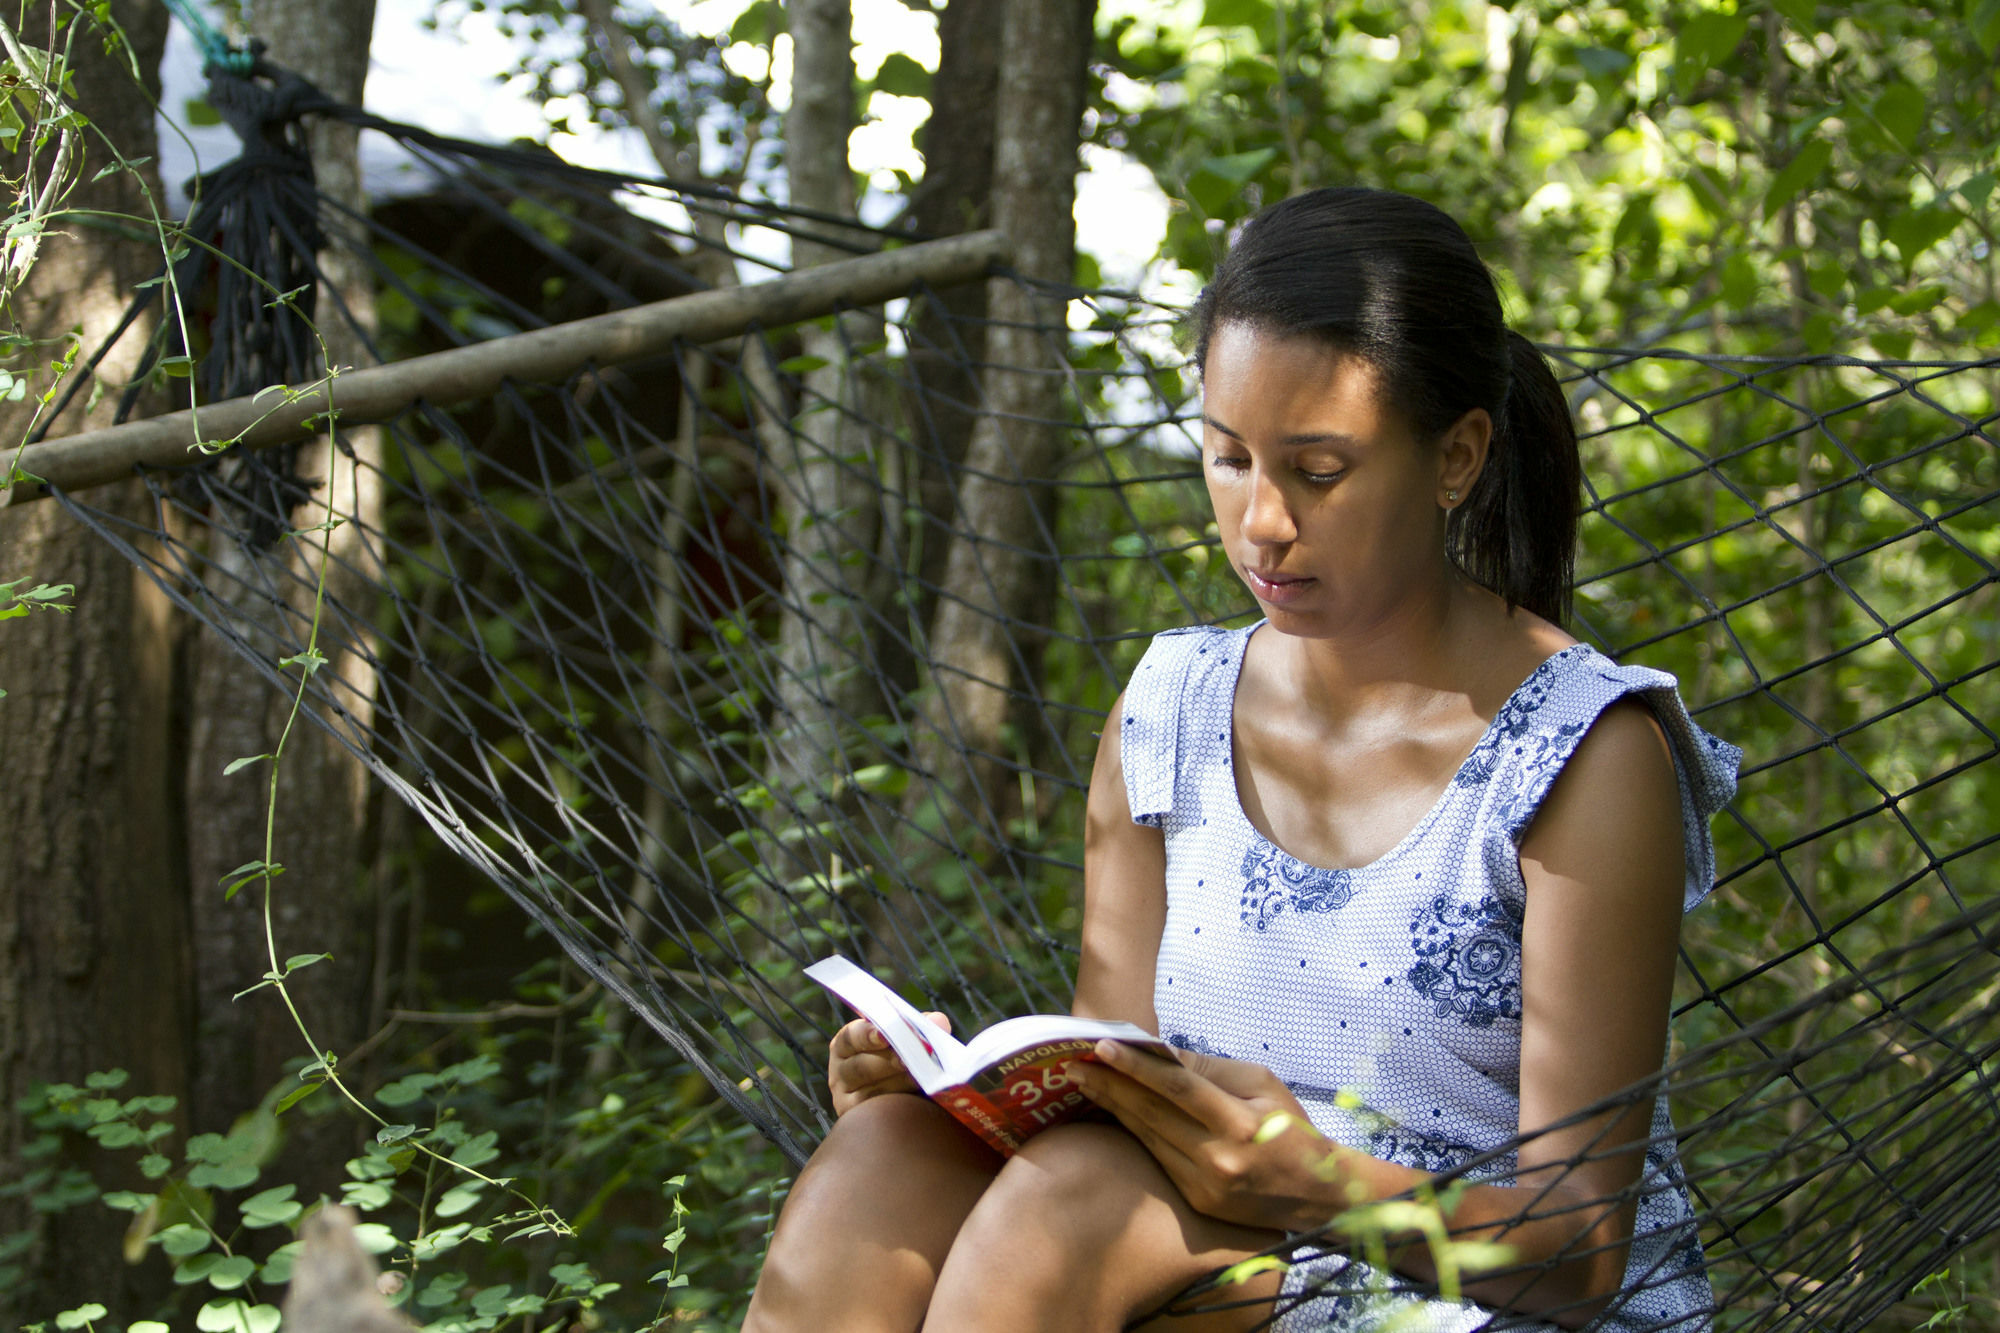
{"x": 1462, "y": 454}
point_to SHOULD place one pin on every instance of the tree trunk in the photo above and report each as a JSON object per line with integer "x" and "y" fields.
{"x": 1001, "y": 569}
{"x": 830, "y": 461}
{"x": 949, "y": 330}
{"x": 93, "y": 941}
{"x": 243, "y": 1045}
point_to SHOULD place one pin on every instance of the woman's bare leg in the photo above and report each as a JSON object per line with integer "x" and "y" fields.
{"x": 1083, "y": 1231}
{"x": 870, "y": 1220}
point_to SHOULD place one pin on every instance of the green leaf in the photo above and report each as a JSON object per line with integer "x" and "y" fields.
{"x": 1975, "y": 189}
{"x": 233, "y": 882}
{"x": 1218, "y": 182}
{"x": 375, "y": 1238}
{"x": 1900, "y": 109}
{"x": 182, "y": 1239}
{"x": 1983, "y": 18}
{"x": 232, "y": 1272}
{"x": 199, "y": 113}
{"x": 478, "y": 1150}
{"x": 459, "y": 1199}
{"x": 295, "y": 1096}
{"x": 120, "y": 1134}
{"x": 1804, "y": 14}
{"x": 800, "y": 365}
{"x": 178, "y": 367}
{"x": 1239, "y": 168}
{"x": 1918, "y": 229}
{"x": 80, "y": 1316}
{"x": 272, "y": 1207}
{"x": 278, "y": 1268}
{"x": 1918, "y": 298}
{"x": 236, "y": 1315}
{"x": 147, "y": 1326}
{"x": 1798, "y": 176}
{"x": 366, "y": 1195}
{"x": 238, "y": 765}
{"x": 195, "y": 1269}
{"x": 311, "y": 659}
{"x": 228, "y": 1176}
{"x": 1893, "y": 343}
{"x": 754, "y": 25}
{"x": 476, "y": 1070}
{"x": 1601, "y": 62}
{"x": 1739, "y": 280}
{"x": 394, "y": 1133}
{"x": 1977, "y": 321}
{"x": 407, "y": 1089}
{"x": 1706, "y": 40}
{"x": 106, "y": 1079}
{"x": 1236, "y": 14}
{"x": 901, "y": 76}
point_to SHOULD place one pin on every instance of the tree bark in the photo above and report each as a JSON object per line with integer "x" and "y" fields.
{"x": 830, "y": 463}
{"x": 950, "y": 326}
{"x": 1001, "y": 565}
{"x": 243, "y": 1045}
{"x": 93, "y": 940}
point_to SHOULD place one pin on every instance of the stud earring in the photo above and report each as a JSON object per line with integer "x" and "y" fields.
{"x": 1451, "y": 497}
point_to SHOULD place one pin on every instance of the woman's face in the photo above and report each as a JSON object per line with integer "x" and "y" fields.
{"x": 1329, "y": 508}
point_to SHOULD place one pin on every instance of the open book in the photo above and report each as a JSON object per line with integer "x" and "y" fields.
{"x": 1008, "y": 1083}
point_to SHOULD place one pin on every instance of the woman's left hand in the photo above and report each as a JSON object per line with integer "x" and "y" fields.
{"x": 1213, "y": 1125}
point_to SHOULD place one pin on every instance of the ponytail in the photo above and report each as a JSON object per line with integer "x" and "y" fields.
{"x": 1516, "y": 531}
{"x": 1396, "y": 282}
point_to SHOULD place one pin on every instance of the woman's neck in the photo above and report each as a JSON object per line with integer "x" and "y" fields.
{"x": 1429, "y": 644}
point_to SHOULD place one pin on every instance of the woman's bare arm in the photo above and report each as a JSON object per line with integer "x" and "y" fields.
{"x": 1124, "y": 895}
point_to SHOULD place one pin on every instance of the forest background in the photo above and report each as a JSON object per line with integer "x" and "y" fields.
{"x": 1767, "y": 176}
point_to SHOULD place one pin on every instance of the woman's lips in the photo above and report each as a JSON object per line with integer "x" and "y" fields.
{"x": 1276, "y": 588}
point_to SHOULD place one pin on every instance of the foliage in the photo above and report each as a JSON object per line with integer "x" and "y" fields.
{"x": 461, "y": 1255}
{"x": 1772, "y": 175}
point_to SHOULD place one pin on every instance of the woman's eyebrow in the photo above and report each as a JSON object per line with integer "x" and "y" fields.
{"x": 1333, "y": 437}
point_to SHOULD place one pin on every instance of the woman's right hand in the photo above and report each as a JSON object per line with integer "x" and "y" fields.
{"x": 860, "y": 1065}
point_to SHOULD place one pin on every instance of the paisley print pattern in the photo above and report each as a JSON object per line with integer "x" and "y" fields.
{"x": 1468, "y": 958}
{"x": 1273, "y": 881}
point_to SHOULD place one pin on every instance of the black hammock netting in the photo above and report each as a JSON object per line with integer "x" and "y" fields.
{"x": 780, "y": 641}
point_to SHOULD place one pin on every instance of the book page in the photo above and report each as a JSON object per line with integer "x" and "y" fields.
{"x": 1003, "y": 1040}
{"x": 924, "y": 1048}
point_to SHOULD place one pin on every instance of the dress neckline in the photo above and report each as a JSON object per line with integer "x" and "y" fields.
{"x": 1553, "y": 662}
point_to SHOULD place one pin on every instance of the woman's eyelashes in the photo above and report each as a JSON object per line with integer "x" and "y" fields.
{"x": 1239, "y": 464}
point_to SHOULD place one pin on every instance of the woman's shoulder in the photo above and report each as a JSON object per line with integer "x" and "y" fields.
{"x": 1174, "y": 653}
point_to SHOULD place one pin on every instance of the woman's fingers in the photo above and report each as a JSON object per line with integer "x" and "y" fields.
{"x": 856, "y": 1038}
{"x": 1155, "y": 1118}
{"x": 1201, "y": 1103}
{"x": 861, "y": 1063}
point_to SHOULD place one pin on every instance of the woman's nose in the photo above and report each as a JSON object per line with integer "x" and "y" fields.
{"x": 1267, "y": 521}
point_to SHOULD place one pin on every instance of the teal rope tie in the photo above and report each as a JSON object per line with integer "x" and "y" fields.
{"x": 215, "y": 48}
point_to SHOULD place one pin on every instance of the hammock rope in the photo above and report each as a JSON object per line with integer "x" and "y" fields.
{"x": 618, "y": 675}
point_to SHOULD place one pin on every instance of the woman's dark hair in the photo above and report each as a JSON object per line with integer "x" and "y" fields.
{"x": 1395, "y": 281}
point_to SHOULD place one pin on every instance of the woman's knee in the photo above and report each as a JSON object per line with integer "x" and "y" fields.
{"x": 895, "y": 1138}
{"x": 883, "y": 1197}
{"x": 1079, "y": 1184}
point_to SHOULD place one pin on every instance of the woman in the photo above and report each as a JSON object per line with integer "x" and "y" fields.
{"x": 1520, "y": 822}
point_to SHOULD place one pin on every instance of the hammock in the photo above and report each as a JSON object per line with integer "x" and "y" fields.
{"x": 655, "y": 648}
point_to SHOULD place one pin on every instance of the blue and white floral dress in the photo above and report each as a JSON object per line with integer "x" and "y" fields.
{"x": 1388, "y": 997}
